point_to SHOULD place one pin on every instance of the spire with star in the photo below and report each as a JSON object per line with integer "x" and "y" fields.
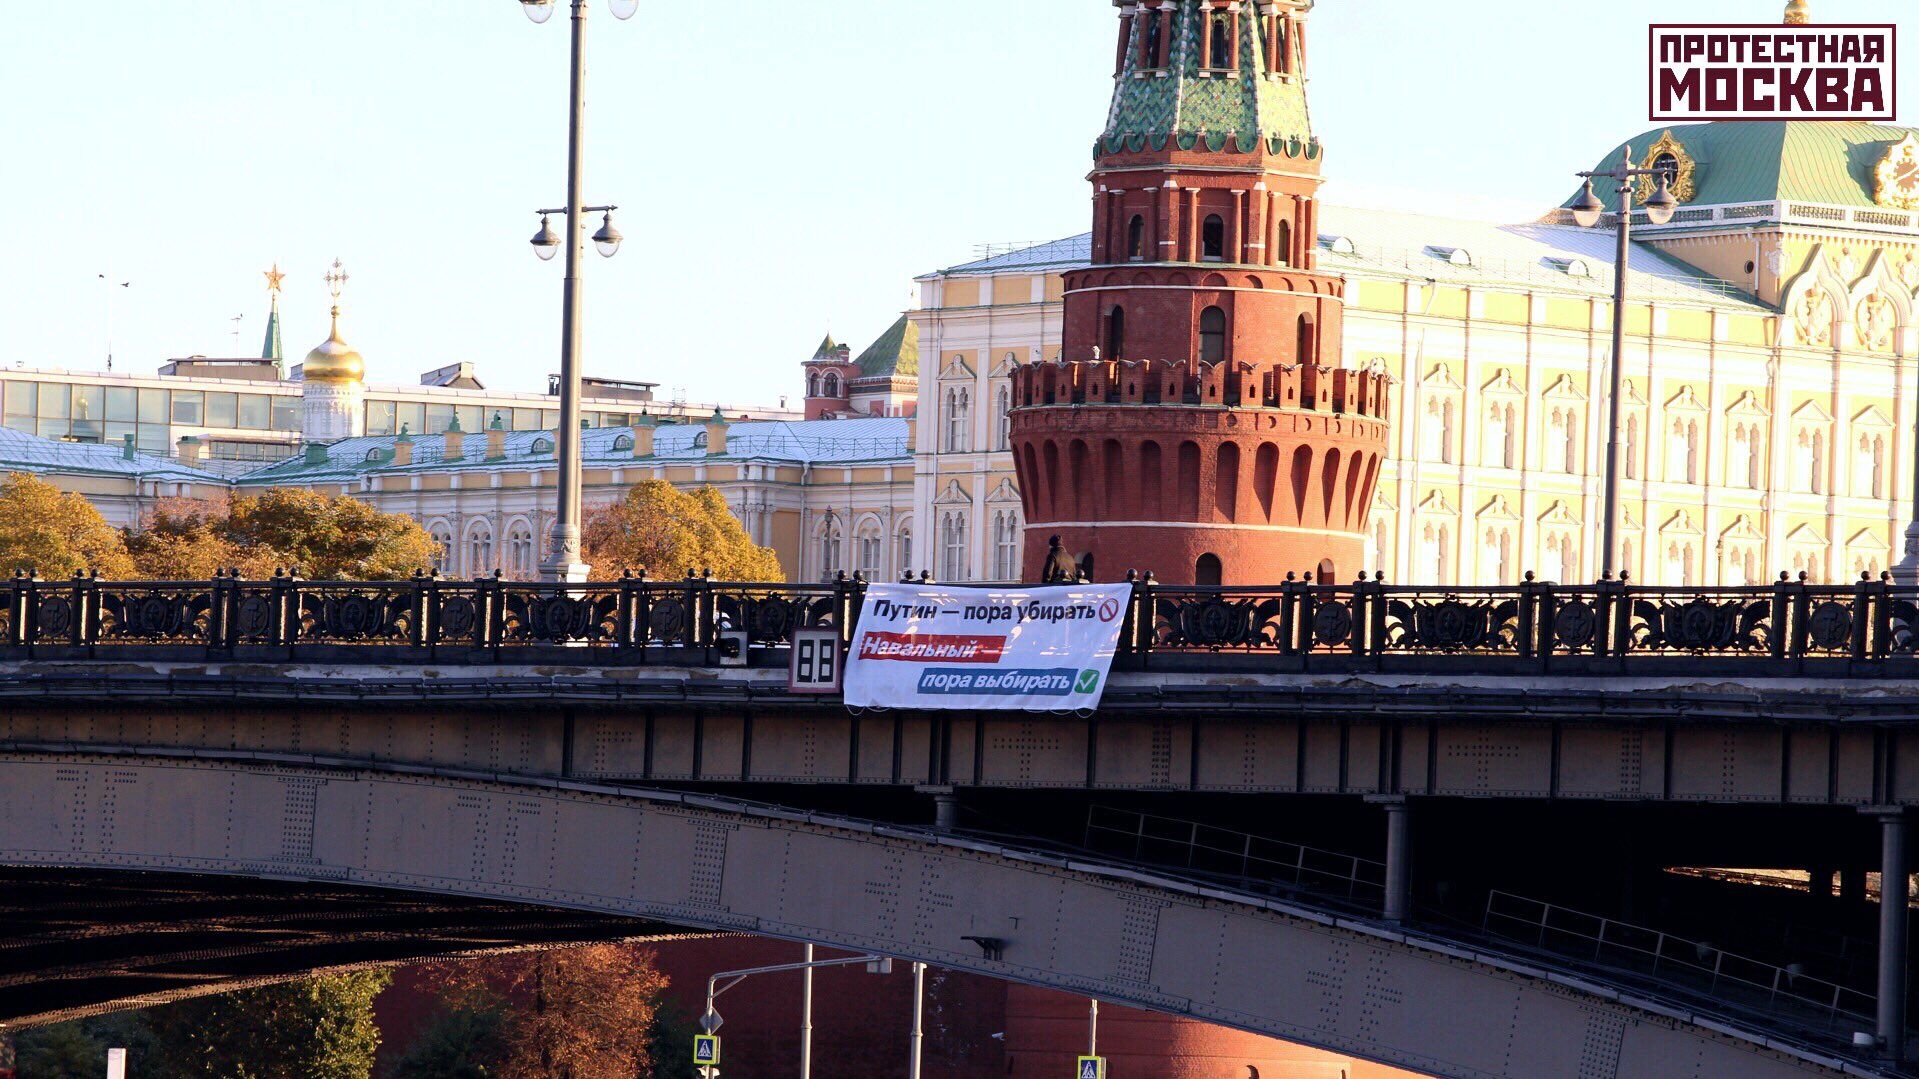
{"x": 271, "y": 349}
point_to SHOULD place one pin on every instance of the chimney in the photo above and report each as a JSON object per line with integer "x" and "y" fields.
{"x": 455, "y": 442}
{"x": 643, "y": 435}
{"x": 316, "y": 453}
{"x": 403, "y": 448}
{"x": 190, "y": 451}
{"x": 912, "y": 434}
{"x": 716, "y": 433}
{"x": 126, "y": 447}
{"x": 496, "y": 438}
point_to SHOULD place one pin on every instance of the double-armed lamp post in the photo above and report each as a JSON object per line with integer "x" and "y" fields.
{"x": 562, "y": 564}
{"x": 1587, "y": 211}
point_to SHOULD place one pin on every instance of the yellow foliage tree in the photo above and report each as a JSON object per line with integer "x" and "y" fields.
{"x": 666, "y": 531}
{"x": 330, "y": 537}
{"x": 326, "y": 537}
{"x": 45, "y": 529}
{"x": 182, "y": 539}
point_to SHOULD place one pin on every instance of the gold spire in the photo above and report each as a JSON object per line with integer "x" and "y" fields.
{"x": 1798, "y": 13}
{"x": 334, "y": 360}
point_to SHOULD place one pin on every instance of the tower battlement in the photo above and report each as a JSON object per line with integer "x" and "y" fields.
{"x": 1333, "y": 390}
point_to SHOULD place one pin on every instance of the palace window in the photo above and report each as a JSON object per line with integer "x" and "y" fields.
{"x": 1212, "y": 239}
{"x": 1006, "y": 546}
{"x": 519, "y": 552}
{"x": 904, "y": 543}
{"x": 830, "y": 540}
{"x": 1869, "y": 465}
{"x": 1003, "y": 418}
{"x": 866, "y": 550}
{"x": 1495, "y": 554}
{"x": 1679, "y": 564}
{"x": 1632, "y": 447}
{"x": 443, "y": 547}
{"x": 953, "y": 554}
{"x": 959, "y": 437}
{"x": 1212, "y": 335}
{"x": 1742, "y": 565}
{"x": 1436, "y": 549}
{"x": 479, "y": 551}
{"x": 1562, "y": 443}
{"x": 1809, "y": 461}
{"x": 1682, "y": 452}
{"x": 1437, "y": 432}
{"x": 1501, "y": 438}
{"x": 1136, "y": 238}
{"x": 1743, "y": 464}
{"x": 1557, "y": 561}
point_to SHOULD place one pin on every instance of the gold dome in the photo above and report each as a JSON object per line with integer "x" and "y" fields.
{"x": 334, "y": 360}
{"x": 1798, "y": 13}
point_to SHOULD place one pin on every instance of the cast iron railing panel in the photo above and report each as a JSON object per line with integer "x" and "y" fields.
{"x": 1865, "y": 629}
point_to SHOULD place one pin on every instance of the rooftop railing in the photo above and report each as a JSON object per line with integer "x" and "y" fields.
{"x": 1788, "y": 627}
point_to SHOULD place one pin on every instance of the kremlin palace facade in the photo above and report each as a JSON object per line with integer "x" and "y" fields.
{"x": 1175, "y": 383}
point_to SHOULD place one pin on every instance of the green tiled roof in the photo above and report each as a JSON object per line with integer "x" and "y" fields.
{"x": 896, "y": 353}
{"x": 1806, "y": 161}
{"x": 826, "y": 349}
{"x": 1244, "y": 106}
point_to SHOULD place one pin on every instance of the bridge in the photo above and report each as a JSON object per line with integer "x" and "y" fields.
{"x": 1529, "y": 831}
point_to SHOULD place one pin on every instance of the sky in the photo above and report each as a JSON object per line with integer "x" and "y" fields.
{"x": 783, "y": 171}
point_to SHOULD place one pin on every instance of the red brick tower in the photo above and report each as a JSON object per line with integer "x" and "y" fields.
{"x": 1198, "y": 423}
{"x": 829, "y": 380}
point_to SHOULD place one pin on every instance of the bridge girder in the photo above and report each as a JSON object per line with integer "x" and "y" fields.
{"x": 1349, "y": 986}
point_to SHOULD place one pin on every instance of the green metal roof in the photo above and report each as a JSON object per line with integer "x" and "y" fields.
{"x": 1243, "y": 105}
{"x": 1803, "y": 161}
{"x": 827, "y": 347}
{"x": 896, "y": 353}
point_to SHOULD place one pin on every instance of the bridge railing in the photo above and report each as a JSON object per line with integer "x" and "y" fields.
{"x": 1609, "y": 626}
{"x": 1782, "y": 990}
{"x": 1223, "y": 852}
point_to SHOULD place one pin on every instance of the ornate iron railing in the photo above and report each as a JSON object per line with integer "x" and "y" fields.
{"x": 1613, "y": 626}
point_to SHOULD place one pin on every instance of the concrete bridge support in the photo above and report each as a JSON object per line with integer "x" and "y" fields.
{"x": 1894, "y": 909}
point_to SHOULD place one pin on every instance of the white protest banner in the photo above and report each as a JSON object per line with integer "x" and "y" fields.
{"x": 1017, "y": 649}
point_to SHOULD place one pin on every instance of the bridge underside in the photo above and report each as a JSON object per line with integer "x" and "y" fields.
{"x": 1350, "y": 985}
{"x": 78, "y": 942}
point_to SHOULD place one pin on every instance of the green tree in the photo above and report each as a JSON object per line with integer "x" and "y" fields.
{"x": 666, "y": 531}
{"x": 670, "y": 1042}
{"x": 60, "y": 1051}
{"x": 46, "y": 529}
{"x": 320, "y": 1028}
{"x": 465, "y": 1040}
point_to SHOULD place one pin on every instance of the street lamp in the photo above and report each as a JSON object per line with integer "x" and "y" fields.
{"x": 1587, "y": 211}
{"x": 719, "y": 983}
{"x": 562, "y": 564}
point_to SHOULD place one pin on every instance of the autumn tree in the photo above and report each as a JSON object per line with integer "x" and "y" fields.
{"x": 184, "y": 539}
{"x": 319, "y": 1028}
{"x": 582, "y": 1013}
{"x": 667, "y": 531}
{"x": 43, "y": 528}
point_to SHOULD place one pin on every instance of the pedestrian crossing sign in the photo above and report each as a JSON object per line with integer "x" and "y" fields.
{"x": 1092, "y": 1068}
{"x": 706, "y": 1049}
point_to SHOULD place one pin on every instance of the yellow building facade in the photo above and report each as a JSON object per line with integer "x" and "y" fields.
{"x": 1768, "y": 419}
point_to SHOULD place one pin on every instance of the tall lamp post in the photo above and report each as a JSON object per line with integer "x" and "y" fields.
{"x": 562, "y": 564}
{"x": 1587, "y": 211}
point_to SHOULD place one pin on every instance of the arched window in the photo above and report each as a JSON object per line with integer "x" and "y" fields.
{"x": 1437, "y": 431}
{"x": 1284, "y": 255}
{"x": 1495, "y": 556}
{"x": 1212, "y": 239}
{"x": 812, "y": 384}
{"x": 1742, "y": 466}
{"x": 1116, "y": 334}
{"x": 1207, "y": 572}
{"x": 1307, "y": 352}
{"x": 830, "y": 540}
{"x": 832, "y": 384}
{"x": 1682, "y": 452}
{"x": 1500, "y": 435}
{"x": 1153, "y": 44}
{"x": 1136, "y": 238}
{"x": 958, "y": 420}
{"x": 519, "y": 551}
{"x": 1212, "y": 335}
{"x": 1436, "y": 550}
{"x": 479, "y": 551}
{"x": 443, "y": 546}
{"x": 1562, "y": 448}
{"x": 904, "y": 544}
{"x": 867, "y": 553}
{"x": 1632, "y": 447}
{"x": 1003, "y": 418}
{"x": 1006, "y": 546}
{"x": 1220, "y": 46}
{"x": 1869, "y": 465}
{"x": 1809, "y": 461}
{"x": 953, "y": 555}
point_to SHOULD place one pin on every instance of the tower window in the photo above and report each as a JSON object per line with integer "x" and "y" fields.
{"x": 1212, "y": 335}
{"x": 1207, "y": 571}
{"x": 1306, "y": 353}
{"x": 1213, "y": 239}
{"x": 1116, "y": 334}
{"x": 1283, "y": 255}
{"x": 1151, "y": 46}
{"x": 1220, "y": 46}
{"x": 832, "y": 384}
{"x": 1136, "y": 238}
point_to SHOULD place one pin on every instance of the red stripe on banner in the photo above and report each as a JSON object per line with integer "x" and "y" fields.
{"x": 942, "y": 647}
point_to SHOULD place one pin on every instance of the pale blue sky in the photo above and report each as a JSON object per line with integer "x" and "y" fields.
{"x": 785, "y": 169}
